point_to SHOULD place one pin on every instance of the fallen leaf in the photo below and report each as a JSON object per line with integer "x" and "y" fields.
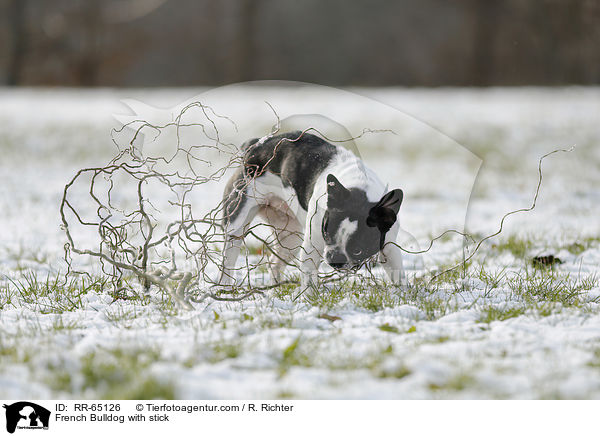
{"x": 329, "y": 317}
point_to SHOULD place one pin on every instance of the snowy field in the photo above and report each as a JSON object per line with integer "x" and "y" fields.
{"x": 502, "y": 327}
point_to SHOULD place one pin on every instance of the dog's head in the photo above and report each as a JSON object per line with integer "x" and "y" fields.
{"x": 354, "y": 228}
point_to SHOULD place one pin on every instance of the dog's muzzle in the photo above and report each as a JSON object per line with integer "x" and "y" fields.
{"x": 336, "y": 259}
{"x": 337, "y": 265}
{"x": 340, "y": 262}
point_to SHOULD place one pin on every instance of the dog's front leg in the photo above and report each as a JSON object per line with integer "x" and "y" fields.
{"x": 231, "y": 251}
{"x": 392, "y": 264}
{"x": 310, "y": 259}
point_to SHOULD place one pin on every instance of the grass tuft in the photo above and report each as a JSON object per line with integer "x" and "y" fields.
{"x": 388, "y": 328}
{"x": 56, "y": 294}
{"x": 495, "y": 313}
{"x": 517, "y": 246}
{"x": 551, "y": 286}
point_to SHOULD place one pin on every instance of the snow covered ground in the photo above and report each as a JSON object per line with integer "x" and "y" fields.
{"x": 501, "y": 329}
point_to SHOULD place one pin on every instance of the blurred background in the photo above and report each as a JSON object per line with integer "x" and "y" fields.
{"x": 457, "y": 100}
{"x": 124, "y": 43}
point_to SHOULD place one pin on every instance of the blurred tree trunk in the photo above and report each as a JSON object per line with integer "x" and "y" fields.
{"x": 575, "y": 62}
{"x": 486, "y": 18}
{"x": 88, "y": 60}
{"x": 16, "y": 16}
{"x": 243, "y": 52}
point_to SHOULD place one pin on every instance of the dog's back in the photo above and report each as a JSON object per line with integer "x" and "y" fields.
{"x": 295, "y": 157}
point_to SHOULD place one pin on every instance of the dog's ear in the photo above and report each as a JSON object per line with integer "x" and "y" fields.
{"x": 336, "y": 192}
{"x": 392, "y": 200}
{"x": 383, "y": 214}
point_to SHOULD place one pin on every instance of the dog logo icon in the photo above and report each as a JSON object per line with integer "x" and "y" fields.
{"x": 26, "y": 415}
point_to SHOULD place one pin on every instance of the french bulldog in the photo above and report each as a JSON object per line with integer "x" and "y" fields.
{"x": 322, "y": 203}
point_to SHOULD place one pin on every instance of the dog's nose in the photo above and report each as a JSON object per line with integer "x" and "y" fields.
{"x": 337, "y": 265}
{"x": 336, "y": 259}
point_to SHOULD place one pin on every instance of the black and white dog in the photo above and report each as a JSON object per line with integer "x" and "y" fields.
{"x": 320, "y": 199}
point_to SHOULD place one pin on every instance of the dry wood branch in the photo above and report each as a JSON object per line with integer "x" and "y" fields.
{"x": 136, "y": 216}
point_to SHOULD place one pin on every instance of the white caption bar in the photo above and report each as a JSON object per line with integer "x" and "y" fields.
{"x": 264, "y": 417}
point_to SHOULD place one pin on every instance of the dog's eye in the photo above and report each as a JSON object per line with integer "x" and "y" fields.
{"x": 357, "y": 252}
